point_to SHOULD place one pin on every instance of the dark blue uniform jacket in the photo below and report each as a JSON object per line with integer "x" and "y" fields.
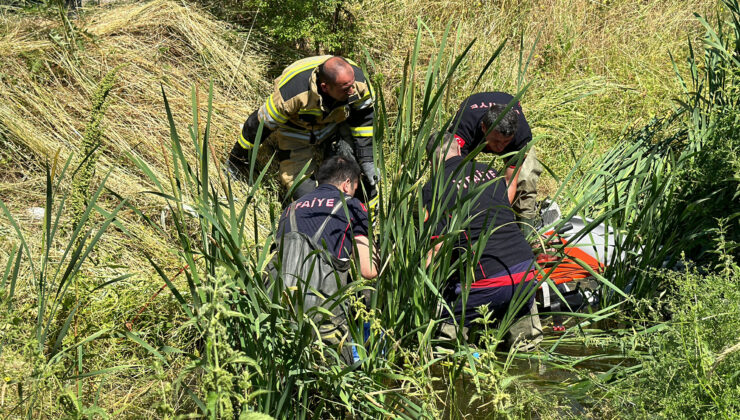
{"x": 466, "y": 124}
{"x": 313, "y": 208}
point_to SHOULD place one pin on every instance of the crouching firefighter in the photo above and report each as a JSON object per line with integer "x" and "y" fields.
{"x": 317, "y": 235}
{"x": 320, "y": 107}
{"x": 504, "y": 267}
{"x": 474, "y": 125}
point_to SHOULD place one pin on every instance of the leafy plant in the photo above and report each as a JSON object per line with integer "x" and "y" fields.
{"x": 662, "y": 188}
{"x": 325, "y": 26}
{"x": 696, "y": 354}
{"x": 52, "y": 276}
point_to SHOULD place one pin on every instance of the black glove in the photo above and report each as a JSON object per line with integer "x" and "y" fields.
{"x": 237, "y": 166}
{"x": 371, "y": 174}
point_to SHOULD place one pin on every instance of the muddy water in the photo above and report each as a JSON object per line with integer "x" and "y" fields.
{"x": 551, "y": 372}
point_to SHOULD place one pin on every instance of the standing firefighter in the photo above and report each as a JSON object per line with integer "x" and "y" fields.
{"x": 317, "y": 235}
{"x": 472, "y": 127}
{"x": 321, "y": 106}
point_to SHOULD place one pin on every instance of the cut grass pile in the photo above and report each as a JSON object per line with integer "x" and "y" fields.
{"x": 47, "y": 83}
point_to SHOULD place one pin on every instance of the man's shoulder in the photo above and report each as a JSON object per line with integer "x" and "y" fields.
{"x": 294, "y": 84}
{"x": 484, "y": 100}
{"x": 299, "y": 66}
{"x": 359, "y": 74}
{"x": 358, "y": 210}
{"x": 449, "y": 169}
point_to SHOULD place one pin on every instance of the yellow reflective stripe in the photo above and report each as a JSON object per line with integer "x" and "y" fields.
{"x": 244, "y": 143}
{"x": 361, "y": 131}
{"x": 312, "y": 111}
{"x": 373, "y": 203}
{"x": 277, "y": 116}
{"x": 293, "y": 72}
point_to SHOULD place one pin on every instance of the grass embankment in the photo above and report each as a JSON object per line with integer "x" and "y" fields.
{"x": 47, "y": 86}
{"x": 596, "y": 68}
{"x": 49, "y": 83}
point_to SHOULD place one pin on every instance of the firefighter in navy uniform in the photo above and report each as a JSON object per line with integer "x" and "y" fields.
{"x": 512, "y": 134}
{"x": 320, "y": 106}
{"x": 332, "y": 228}
{"x": 505, "y": 265}
{"x": 345, "y": 230}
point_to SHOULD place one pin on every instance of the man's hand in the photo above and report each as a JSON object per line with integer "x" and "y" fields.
{"x": 368, "y": 168}
{"x": 512, "y": 179}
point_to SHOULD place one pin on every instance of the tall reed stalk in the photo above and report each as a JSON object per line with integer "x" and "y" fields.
{"x": 655, "y": 188}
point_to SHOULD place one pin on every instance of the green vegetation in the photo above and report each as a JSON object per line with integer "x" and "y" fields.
{"x": 85, "y": 334}
{"x": 90, "y": 152}
{"x": 691, "y": 369}
{"x": 316, "y": 27}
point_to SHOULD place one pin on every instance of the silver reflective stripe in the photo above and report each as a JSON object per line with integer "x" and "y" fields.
{"x": 265, "y": 117}
{"x": 364, "y": 104}
{"x": 320, "y": 134}
{"x": 306, "y": 135}
{"x": 294, "y": 135}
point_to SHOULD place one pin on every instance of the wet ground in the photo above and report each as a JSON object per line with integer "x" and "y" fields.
{"x": 559, "y": 370}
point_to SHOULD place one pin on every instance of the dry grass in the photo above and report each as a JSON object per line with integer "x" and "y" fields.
{"x": 615, "y": 50}
{"x": 46, "y": 89}
{"x": 157, "y": 43}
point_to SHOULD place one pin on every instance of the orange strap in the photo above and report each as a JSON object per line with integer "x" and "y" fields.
{"x": 567, "y": 269}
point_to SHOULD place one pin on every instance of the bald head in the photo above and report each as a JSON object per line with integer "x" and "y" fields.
{"x": 337, "y": 78}
{"x": 334, "y": 68}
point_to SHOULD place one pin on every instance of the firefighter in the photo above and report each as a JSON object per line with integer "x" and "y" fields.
{"x": 320, "y": 106}
{"x": 472, "y": 127}
{"x": 504, "y": 269}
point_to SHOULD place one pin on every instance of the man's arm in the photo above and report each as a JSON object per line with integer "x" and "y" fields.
{"x": 272, "y": 114}
{"x": 511, "y": 181}
{"x": 368, "y": 266}
{"x": 435, "y": 249}
{"x": 432, "y": 252}
{"x": 360, "y": 122}
{"x": 250, "y": 129}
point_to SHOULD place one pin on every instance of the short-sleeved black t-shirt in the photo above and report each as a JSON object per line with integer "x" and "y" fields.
{"x": 469, "y": 133}
{"x": 506, "y": 246}
{"x": 313, "y": 208}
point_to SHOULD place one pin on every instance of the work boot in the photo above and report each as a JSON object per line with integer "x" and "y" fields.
{"x": 526, "y": 332}
{"x": 447, "y": 336}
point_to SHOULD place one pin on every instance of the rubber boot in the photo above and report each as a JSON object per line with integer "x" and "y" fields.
{"x": 526, "y": 331}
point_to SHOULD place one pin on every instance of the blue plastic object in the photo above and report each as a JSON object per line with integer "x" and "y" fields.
{"x": 365, "y": 336}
